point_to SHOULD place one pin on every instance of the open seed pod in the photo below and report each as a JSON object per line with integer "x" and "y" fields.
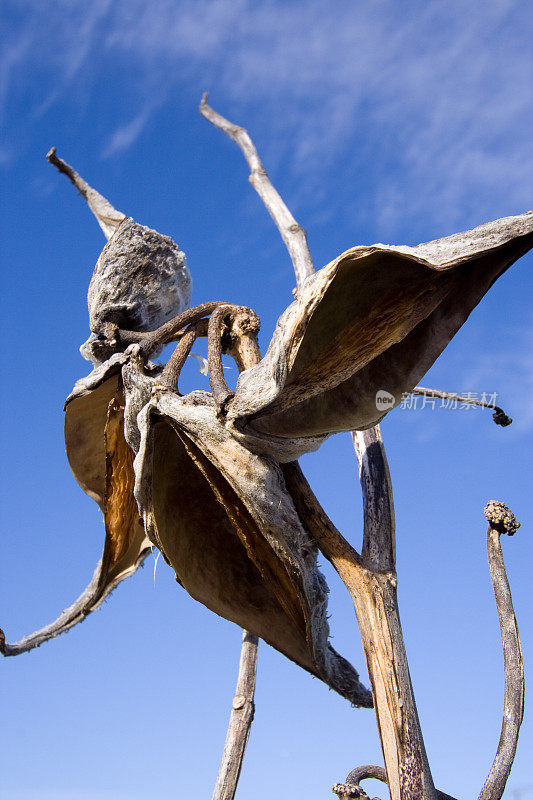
{"x": 224, "y": 520}
{"x": 140, "y": 280}
{"x": 373, "y": 321}
{"x": 102, "y": 463}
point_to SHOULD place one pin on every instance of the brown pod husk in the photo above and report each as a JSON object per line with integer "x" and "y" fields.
{"x": 224, "y": 520}
{"x": 373, "y": 320}
{"x": 102, "y": 463}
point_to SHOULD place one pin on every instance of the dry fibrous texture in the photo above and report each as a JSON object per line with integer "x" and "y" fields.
{"x": 209, "y": 478}
{"x": 225, "y": 521}
{"x": 375, "y": 319}
{"x": 267, "y": 422}
{"x": 140, "y": 281}
{"x": 102, "y": 463}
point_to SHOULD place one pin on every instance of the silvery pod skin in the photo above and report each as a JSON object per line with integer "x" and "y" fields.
{"x": 140, "y": 281}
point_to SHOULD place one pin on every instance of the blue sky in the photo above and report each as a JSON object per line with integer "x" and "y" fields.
{"x": 378, "y": 121}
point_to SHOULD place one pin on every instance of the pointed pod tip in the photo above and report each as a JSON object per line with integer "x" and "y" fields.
{"x": 51, "y": 154}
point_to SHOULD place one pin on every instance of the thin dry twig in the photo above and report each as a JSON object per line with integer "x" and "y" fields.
{"x": 241, "y": 717}
{"x": 499, "y": 416}
{"x": 108, "y": 217}
{"x": 502, "y": 520}
{"x": 292, "y": 233}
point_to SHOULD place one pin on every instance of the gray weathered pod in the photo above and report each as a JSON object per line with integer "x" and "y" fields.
{"x": 225, "y": 521}
{"x": 141, "y": 279}
{"x": 373, "y": 321}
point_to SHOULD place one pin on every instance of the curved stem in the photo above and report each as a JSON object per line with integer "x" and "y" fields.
{"x": 364, "y": 773}
{"x": 219, "y": 388}
{"x": 499, "y": 416}
{"x": 241, "y": 718}
{"x": 232, "y": 329}
{"x": 292, "y": 233}
{"x": 502, "y": 520}
{"x": 171, "y": 372}
{"x": 108, "y": 217}
{"x": 150, "y": 341}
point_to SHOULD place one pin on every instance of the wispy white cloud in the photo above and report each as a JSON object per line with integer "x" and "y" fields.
{"x": 443, "y": 88}
{"x": 126, "y": 135}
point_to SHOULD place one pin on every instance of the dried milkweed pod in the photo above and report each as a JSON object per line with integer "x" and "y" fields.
{"x": 102, "y": 463}
{"x": 140, "y": 280}
{"x": 224, "y": 520}
{"x": 374, "y": 320}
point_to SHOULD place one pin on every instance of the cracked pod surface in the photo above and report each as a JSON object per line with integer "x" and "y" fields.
{"x": 374, "y": 319}
{"x": 140, "y": 281}
{"x": 224, "y": 520}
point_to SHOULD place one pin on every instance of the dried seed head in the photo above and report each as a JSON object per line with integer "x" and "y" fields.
{"x": 501, "y": 517}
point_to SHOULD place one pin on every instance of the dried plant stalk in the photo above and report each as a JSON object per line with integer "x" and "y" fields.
{"x": 242, "y": 714}
{"x": 502, "y": 520}
{"x": 374, "y": 594}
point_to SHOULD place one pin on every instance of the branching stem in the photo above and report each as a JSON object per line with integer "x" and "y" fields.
{"x": 499, "y": 416}
{"x": 292, "y": 233}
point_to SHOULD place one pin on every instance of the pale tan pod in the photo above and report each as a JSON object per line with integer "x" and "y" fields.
{"x": 225, "y": 522}
{"x": 102, "y": 463}
{"x": 374, "y": 320}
